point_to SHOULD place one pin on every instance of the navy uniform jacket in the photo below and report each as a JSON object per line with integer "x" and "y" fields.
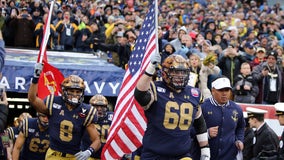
{"x": 265, "y": 141}
{"x": 102, "y": 126}
{"x": 170, "y": 119}
{"x": 231, "y": 124}
{"x": 248, "y": 143}
{"x": 36, "y": 143}
{"x": 281, "y": 146}
{"x": 67, "y": 126}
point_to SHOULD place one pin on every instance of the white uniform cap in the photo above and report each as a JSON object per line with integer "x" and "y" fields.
{"x": 253, "y": 112}
{"x": 279, "y": 107}
{"x": 221, "y": 83}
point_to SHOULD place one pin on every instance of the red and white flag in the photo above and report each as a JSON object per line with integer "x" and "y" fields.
{"x": 50, "y": 78}
{"x": 129, "y": 122}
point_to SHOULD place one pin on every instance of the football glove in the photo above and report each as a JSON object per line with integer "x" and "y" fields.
{"x": 205, "y": 153}
{"x": 83, "y": 155}
{"x": 38, "y": 69}
{"x": 152, "y": 67}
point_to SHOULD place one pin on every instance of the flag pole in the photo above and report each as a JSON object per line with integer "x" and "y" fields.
{"x": 46, "y": 33}
{"x": 156, "y": 27}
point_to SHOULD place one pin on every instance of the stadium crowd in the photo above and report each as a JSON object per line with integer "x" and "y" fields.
{"x": 240, "y": 39}
{"x": 236, "y": 31}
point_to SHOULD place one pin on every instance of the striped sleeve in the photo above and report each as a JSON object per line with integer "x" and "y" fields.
{"x": 91, "y": 116}
{"x": 49, "y": 103}
{"x": 25, "y": 127}
{"x": 11, "y": 133}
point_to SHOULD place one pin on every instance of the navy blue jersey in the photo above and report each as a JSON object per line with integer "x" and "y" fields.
{"x": 231, "y": 124}
{"x": 102, "y": 126}
{"x": 170, "y": 119}
{"x": 67, "y": 126}
{"x": 36, "y": 142}
{"x": 13, "y": 133}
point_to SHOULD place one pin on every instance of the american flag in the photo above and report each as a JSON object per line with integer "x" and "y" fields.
{"x": 129, "y": 122}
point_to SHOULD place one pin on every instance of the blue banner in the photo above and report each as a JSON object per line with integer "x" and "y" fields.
{"x": 99, "y": 75}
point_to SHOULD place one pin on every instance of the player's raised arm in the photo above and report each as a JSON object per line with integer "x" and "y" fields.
{"x": 35, "y": 101}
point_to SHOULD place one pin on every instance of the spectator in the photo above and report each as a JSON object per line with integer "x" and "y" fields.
{"x": 177, "y": 41}
{"x": 84, "y": 31}
{"x": 187, "y": 46}
{"x": 24, "y": 29}
{"x": 65, "y": 130}
{"x": 59, "y": 17}
{"x": 104, "y": 121}
{"x": 96, "y": 36}
{"x": 245, "y": 88}
{"x": 9, "y": 29}
{"x": 248, "y": 52}
{"x": 168, "y": 50}
{"x": 194, "y": 67}
{"x": 260, "y": 57}
{"x": 66, "y": 31}
{"x": 266, "y": 140}
{"x": 208, "y": 68}
{"x": 39, "y": 30}
{"x": 224, "y": 120}
{"x": 36, "y": 15}
{"x": 230, "y": 62}
{"x": 2, "y": 53}
{"x": 279, "y": 107}
{"x": 34, "y": 132}
{"x": 122, "y": 48}
{"x": 161, "y": 131}
{"x": 269, "y": 78}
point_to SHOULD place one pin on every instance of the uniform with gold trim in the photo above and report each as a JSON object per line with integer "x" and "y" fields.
{"x": 36, "y": 140}
{"x": 13, "y": 133}
{"x": 105, "y": 117}
{"x": 265, "y": 141}
{"x": 170, "y": 107}
{"x": 102, "y": 126}
{"x": 68, "y": 125}
{"x": 279, "y": 107}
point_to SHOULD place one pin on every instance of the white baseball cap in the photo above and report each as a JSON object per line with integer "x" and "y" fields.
{"x": 221, "y": 83}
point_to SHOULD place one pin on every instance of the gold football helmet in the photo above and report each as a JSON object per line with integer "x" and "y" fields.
{"x": 175, "y": 72}
{"x": 73, "y": 82}
{"x": 100, "y": 102}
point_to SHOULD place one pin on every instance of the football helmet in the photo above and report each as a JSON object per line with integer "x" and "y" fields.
{"x": 175, "y": 72}
{"x": 43, "y": 123}
{"x": 73, "y": 82}
{"x": 100, "y": 102}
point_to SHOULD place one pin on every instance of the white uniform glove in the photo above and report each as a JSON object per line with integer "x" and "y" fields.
{"x": 205, "y": 153}
{"x": 155, "y": 59}
{"x": 83, "y": 155}
{"x": 38, "y": 69}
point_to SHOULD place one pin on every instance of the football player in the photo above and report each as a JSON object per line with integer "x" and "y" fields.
{"x": 15, "y": 130}
{"x": 33, "y": 139}
{"x": 68, "y": 116}
{"x": 104, "y": 121}
{"x": 171, "y": 107}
